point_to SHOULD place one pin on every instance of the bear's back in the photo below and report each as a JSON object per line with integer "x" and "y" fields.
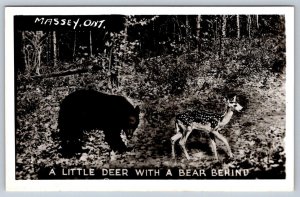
{"x": 91, "y": 109}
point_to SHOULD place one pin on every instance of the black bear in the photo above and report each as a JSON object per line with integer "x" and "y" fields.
{"x": 84, "y": 110}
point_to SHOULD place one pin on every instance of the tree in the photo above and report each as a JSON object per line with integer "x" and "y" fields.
{"x": 74, "y": 45}
{"x": 187, "y": 30}
{"x": 198, "y": 26}
{"x": 54, "y": 48}
{"x": 33, "y": 46}
{"x": 257, "y": 23}
{"x": 249, "y": 26}
{"x": 223, "y": 34}
{"x": 91, "y": 45}
{"x": 238, "y": 26}
{"x": 224, "y": 26}
{"x": 24, "y": 51}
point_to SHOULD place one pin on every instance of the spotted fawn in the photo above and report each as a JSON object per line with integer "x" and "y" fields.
{"x": 210, "y": 123}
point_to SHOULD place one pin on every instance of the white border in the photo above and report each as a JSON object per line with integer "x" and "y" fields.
{"x": 144, "y": 185}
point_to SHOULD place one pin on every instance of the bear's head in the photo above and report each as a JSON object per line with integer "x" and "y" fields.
{"x": 132, "y": 122}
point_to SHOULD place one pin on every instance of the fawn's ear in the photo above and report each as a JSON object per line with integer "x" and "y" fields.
{"x": 234, "y": 99}
{"x": 226, "y": 100}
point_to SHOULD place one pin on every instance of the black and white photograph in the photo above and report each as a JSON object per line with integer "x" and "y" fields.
{"x": 193, "y": 94}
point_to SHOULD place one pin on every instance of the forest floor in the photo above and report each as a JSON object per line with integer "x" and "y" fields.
{"x": 256, "y": 135}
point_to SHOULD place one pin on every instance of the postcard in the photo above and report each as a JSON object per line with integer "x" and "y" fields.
{"x": 149, "y": 98}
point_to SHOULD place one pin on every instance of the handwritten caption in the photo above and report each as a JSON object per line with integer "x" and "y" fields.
{"x": 73, "y": 23}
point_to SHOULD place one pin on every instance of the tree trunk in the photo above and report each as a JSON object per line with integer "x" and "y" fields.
{"x": 48, "y": 46}
{"x": 223, "y": 35}
{"x": 126, "y": 29}
{"x": 27, "y": 70}
{"x": 38, "y": 48}
{"x": 89, "y": 68}
{"x": 179, "y": 34}
{"x": 91, "y": 45}
{"x": 249, "y": 26}
{"x": 282, "y": 23}
{"x": 198, "y": 26}
{"x": 187, "y": 32}
{"x": 187, "y": 28}
{"x": 238, "y": 26}
{"x": 109, "y": 70}
{"x": 38, "y": 66}
{"x": 54, "y": 49}
{"x": 74, "y": 45}
{"x": 224, "y": 26}
{"x": 216, "y": 29}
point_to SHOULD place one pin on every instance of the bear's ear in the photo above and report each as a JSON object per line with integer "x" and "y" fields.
{"x": 137, "y": 109}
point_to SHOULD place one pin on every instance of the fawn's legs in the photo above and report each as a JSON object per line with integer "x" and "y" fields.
{"x": 213, "y": 145}
{"x": 183, "y": 140}
{"x": 174, "y": 139}
{"x": 224, "y": 140}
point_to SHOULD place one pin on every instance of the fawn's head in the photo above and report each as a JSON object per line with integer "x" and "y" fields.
{"x": 235, "y": 106}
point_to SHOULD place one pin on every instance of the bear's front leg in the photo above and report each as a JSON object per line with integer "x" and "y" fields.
{"x": 114, "y": 140}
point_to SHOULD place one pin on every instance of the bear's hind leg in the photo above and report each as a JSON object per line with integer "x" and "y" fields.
{"x": 71, "y": 142}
